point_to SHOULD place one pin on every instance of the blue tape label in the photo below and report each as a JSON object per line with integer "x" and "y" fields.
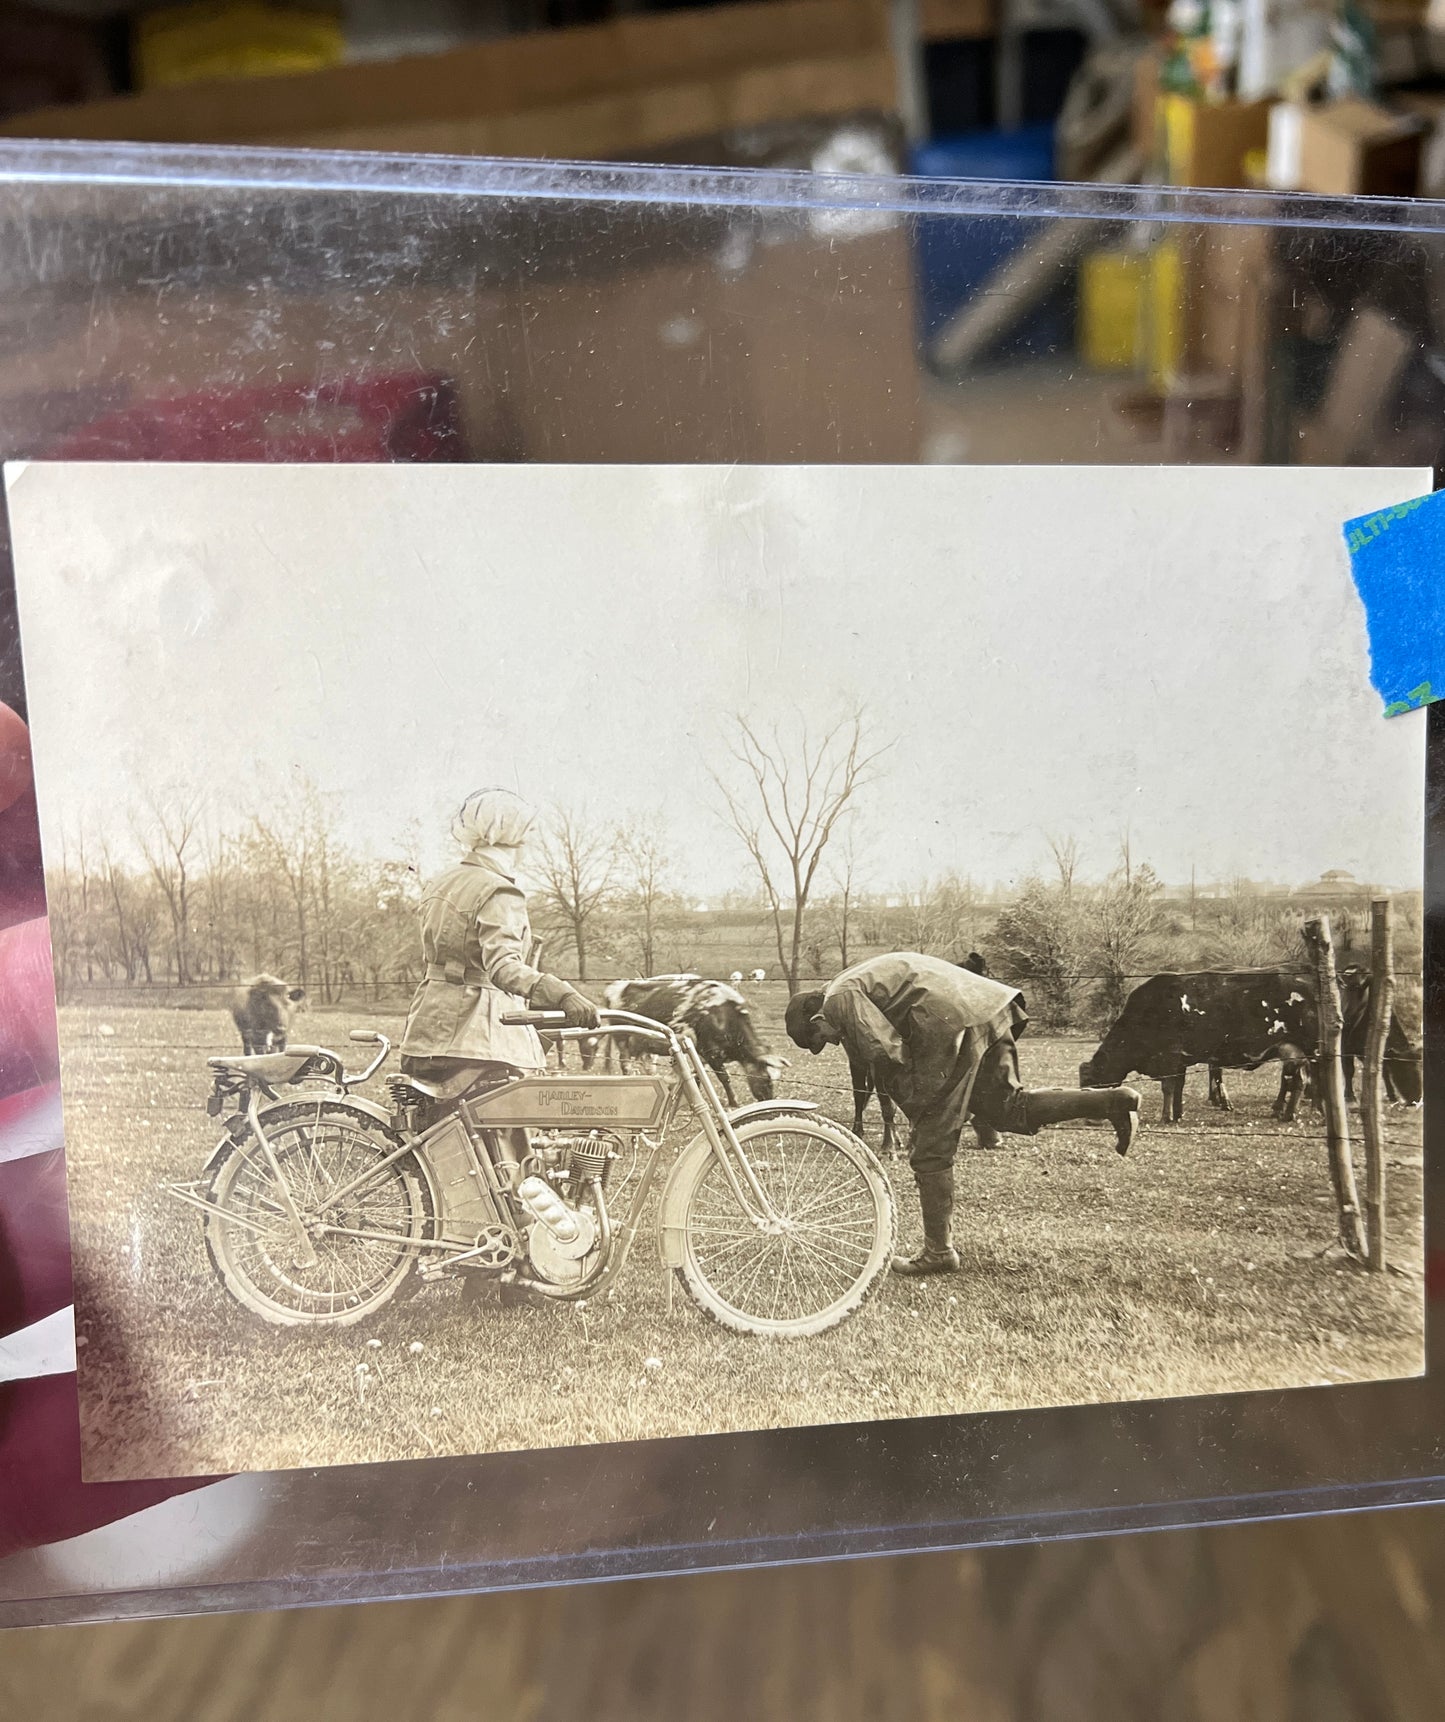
{"x": 1397, "y": 556}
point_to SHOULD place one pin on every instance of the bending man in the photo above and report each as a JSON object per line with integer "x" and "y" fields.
{"x": 942, "y": 1041}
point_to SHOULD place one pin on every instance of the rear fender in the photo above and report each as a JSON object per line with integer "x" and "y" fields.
{"x": 237, "y": 1126}
{"x": 672, "y": 1205}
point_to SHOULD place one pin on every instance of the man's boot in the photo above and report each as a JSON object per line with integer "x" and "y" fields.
{"x": 935, "y": 1197}
{"x": 1117, "y": 1106}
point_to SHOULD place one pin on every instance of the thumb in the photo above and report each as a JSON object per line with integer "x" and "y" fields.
{"x": 29, "y": 1055}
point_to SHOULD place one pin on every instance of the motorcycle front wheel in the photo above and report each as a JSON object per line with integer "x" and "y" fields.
{"x": 254, "y": 1249}
{"x": 828, "y": 1251}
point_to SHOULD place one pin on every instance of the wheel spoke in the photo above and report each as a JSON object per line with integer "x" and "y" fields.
{"x": 317, "y": 1156}
{"x": 830, "y": 1216}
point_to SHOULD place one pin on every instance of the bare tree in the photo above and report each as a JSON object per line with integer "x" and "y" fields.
{"x": 645, "y": 865}
{"x": 937, "y": 915}
{"x": 1065, "y": 851}
{"x": 168, "y": 842}
{"x": 841, "y": 904}
{"x": 577, "y": 865}
{"x": 789, "y": 788}
{"x": 134, "y": 911}
{"x": 1126, "y": 918}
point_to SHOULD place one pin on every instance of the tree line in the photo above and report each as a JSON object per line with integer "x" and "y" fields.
{"x": 196, "y": 901}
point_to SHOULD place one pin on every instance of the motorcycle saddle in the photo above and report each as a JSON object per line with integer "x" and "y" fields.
{"x": 269, "y": 1067}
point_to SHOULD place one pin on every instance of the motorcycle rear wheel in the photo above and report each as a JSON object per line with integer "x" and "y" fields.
{"x": 351, "y": 1278}
{"x": 832, "y": 1252}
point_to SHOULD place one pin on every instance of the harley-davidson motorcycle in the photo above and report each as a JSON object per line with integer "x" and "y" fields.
{"x": 321, "y": 1205}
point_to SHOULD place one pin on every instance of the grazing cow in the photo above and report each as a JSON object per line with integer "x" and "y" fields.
{"x": 1400, "y": 1066}
{"x": 759, "y": 975}
{"x": 715, "y": 1014}
{"x": 1239, "y": 1021}
{"x": 864, "y": 1079}
{"x": 261, "y": 1009}
{"x": 1227, "y": 1021}
{"x": 736, "y": 978}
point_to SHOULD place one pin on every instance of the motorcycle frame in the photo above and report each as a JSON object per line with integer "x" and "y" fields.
{"x": 695, "y": 1084}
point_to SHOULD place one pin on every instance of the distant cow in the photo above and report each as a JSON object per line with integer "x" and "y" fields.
{"x": 736, "y": 978}
{"x": 759, "y": 975}
{"x": 1237, "y": 1021}
{"x": 714, "y": 1013}
{"x": 261, "y": 1009}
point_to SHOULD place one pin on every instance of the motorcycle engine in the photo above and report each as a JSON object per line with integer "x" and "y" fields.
{"x": 562, "y": 1263}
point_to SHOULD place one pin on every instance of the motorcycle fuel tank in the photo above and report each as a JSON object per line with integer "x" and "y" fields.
{"x": 583, "y": 1102}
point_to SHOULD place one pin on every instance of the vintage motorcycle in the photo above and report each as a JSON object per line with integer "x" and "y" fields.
{"x": 321, "y": 1205}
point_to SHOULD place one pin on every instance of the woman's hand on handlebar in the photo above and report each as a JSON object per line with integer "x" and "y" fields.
{"x": 579, "y": 1010}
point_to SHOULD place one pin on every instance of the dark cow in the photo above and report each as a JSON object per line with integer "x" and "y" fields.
{"x": 1403, "y": 1083}
{"x": 714, "y": 1013}
{"x": 261, "y": 1009}
{"x": 865, "y": 1081}
{"x": 974, "y": 963}
{"x": 1233, "y": 1021}
{"x": 1239, "y": 1021}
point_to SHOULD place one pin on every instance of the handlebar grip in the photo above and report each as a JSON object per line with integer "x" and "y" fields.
{"x": 535, "y": 1019}
{"x": 368, "y": 1036}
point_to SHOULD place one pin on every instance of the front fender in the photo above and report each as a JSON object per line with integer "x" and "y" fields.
{"x": 237, "y": 1126}
{"x": 769, "y": 1109}
{"x": 672, "y": 1205}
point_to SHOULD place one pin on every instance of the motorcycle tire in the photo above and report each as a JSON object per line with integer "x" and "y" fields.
{"x": 833, "y": 1252}
{"x": 262, "y": 1272}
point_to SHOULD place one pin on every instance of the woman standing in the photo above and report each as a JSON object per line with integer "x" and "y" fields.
{"x": 476, "y": 941}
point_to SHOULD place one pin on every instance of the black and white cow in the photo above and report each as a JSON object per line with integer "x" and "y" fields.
{"x": 1238, "y": 1021}
{"x": 261, "y": 1009}
{"x": 715, "y": 1014}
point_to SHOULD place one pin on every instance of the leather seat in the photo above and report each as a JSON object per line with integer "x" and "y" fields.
{"x": 268, "y": 1066}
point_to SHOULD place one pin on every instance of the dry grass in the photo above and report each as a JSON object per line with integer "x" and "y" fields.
{"x": 1199, "y": 1265}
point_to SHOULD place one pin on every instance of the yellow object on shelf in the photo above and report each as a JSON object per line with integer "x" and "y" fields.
{"x": 245, "y": 39}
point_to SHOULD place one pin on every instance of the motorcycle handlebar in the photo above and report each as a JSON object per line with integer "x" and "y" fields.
{"x": 610, "y": 1022}
{"x": 367, "y": 1036}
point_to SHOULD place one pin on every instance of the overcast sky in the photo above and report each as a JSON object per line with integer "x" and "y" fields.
{"x": 1067, "y": 650}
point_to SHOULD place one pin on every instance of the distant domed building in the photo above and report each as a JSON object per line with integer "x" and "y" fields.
{"x": 1334, "y": 884}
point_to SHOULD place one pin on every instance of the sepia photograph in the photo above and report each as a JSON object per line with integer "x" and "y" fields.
{"x": 549, "y": 955}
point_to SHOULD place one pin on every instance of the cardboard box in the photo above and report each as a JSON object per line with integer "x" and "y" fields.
{"x": 1206, "y": 143}
{"x": 1352, "y": 148}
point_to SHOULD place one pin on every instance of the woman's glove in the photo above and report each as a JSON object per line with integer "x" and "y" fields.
{"x": 550, "y": 993}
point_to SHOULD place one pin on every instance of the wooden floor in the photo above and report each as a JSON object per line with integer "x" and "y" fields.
{"x": 1325, "y": 1620}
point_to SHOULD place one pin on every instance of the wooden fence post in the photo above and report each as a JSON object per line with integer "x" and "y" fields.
{"x": 1332, "y": 1084}
{"x": 1372, "y": 1110}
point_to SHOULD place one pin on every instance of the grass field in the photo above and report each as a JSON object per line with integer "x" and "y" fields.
{"x": 1201, "y": 1264}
